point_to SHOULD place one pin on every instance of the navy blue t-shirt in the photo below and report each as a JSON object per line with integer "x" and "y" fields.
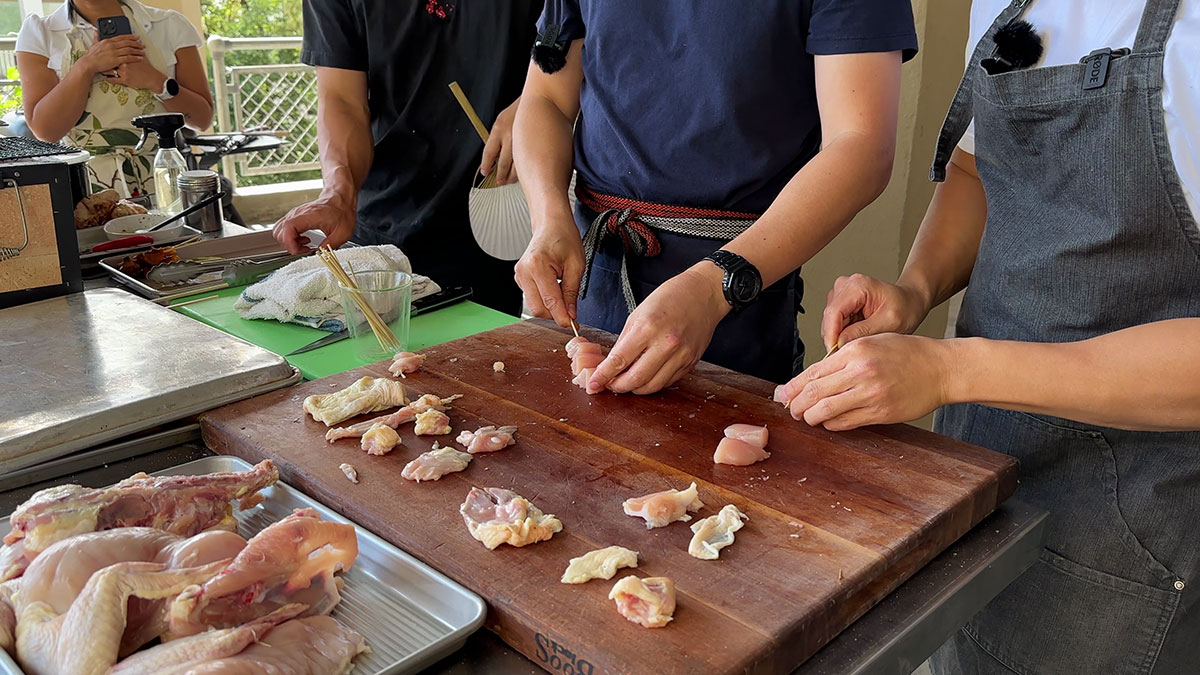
{"x": 710, "y": 103}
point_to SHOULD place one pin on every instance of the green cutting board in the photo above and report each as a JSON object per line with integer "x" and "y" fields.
{"x": 450, "y": 323}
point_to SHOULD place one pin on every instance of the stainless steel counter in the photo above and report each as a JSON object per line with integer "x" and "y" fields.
{"x": 894, "y": 637}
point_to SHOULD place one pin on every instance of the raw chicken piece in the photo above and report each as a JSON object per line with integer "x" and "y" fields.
{"x": 86, "y": 640}
{"x": 436, "y": 463}
{"x": 495, "y": 516}
{"x": 293, "y": 560}
{"x": 432, "y": 423}
{"x": 368, "y": 394}
{"x": 380, "y": 439}
{"x": 582, "y": 377}
{"x": 663, "y": 508}
{"x": 748, "y": 433}
{"x": 12, "y": 561}
{"x": 351, "y": 472}
{"x": 406, "y": 414}
{"x": 178, "y": 655}
{"x": 715, "y": 532}
{"x": 498, "y": 367}
{"x": 780, "y": 397}
{"x": 573, "y": 345}
{"x": 649, "y": 602}
{"x": 599, "y": 564}
{"x": 317, "y": 645}
{"x": 60, "y": 573}
{"x": 589, "y": 355}
{"x": 733, "y": 452}
{"x": 406, "y": 362}
{"x": 487, "y": 439}
{"x": 183, "y": 505}
{"x": 8, "y": 617}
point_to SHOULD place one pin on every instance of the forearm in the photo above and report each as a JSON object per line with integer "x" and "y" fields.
{"x": 1146, "y": 377}
{"x": 543, "y": 155}
{"x": 197, "y": 110}
{"x": 60, "y": 109}
{"x": 346, "y": 147}
{"x": 820, "y": 200}
{"x": 943, "y": 253}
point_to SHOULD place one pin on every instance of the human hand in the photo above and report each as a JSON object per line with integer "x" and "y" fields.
{"x": 139, "y": 75}
{"x": 331, "y": 214}
{"x": 878, "y": 379}
{"x": 666, "y": 335}
{"x": 105, "y": 55}
{"x": 497, "y": 152}
{"x": 859, "y": 306}
{"x": 554, "y": 254}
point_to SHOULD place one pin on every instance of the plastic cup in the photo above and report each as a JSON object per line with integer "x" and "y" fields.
{"x": 389, "y": 293}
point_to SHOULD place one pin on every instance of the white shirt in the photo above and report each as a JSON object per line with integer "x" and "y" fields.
{"x": 1071, "y": 29}
{"x": 47, "y": 35}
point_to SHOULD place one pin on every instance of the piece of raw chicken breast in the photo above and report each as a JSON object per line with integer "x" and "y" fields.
{"x": 487, "y": 439}
{"x": 748, "y": 433}
{"x": 649, "y": 602}
{"x": 291, "y": 561}
{"x": 662, "y": 508}
{"x": 734, "y": 452}
{"x": 405, "y": 363}
{"x": 436, "y": 463}
{"x": 496, "y": 516}
{"x": 715, "y": 532}
{"x": 599, "y": 564}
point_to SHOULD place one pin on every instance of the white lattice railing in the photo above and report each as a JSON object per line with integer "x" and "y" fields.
{"x": 276, "y": 97}
{"x": 10, "y": 89}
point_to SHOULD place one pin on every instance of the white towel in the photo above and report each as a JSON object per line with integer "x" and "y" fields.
{"x": 305, "y": 293}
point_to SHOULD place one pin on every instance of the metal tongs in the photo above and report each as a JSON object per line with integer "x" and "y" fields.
{"x": 246, "y": 267}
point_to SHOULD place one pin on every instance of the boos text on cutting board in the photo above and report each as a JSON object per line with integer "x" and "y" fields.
{"x": 558, "y": 658}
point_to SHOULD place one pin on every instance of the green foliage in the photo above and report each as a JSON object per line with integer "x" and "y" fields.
{"x": 255, "y": 18}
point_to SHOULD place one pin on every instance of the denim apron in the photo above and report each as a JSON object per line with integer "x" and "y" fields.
{"x": 1088, "y": 232}
{"x": 761, "y": 340}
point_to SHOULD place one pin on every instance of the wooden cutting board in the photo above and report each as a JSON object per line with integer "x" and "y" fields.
{"x": 837, "y": 520}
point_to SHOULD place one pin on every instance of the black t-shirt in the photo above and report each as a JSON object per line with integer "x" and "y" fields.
{"x": 426, "y": 151}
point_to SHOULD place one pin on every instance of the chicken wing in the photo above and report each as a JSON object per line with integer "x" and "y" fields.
{"x": 317, "y": 645}
{"x": 495, "y": 516}
{"x": 487, "y": 439}
{"x": 649, "y": 602}
{"x": 183, "y": 505}
{"x": 436, "y": 463}
{"x": 368, "y": 394}
{"x": 599, "y": 564}
{"x": 293, "y": 560}
{"x": 715, "y": 532}
{"x": 662, "y": 508}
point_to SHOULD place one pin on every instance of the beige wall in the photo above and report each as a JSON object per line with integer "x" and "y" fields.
{"x": 877, "y": 241}
{"x": 189, "y": 8}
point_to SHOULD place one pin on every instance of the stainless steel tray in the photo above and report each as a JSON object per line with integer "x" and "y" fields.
{"x": 410, "y": 614}
{"x": 92, "y": 367}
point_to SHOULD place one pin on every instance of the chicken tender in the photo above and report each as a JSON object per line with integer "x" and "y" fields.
{"x": 496, "y": 516}
{"x": 368, "y": 394}
{"x": 436, "y": 463}
{"x": 649, "y": 602}
{"x": 380, "y": 440}
{"x": 599, "y": 564}
{"x": 715, "y": 532}
{"x": 663, "y": 508}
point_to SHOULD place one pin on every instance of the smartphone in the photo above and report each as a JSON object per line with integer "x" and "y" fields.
{"x": 112, "y": 26}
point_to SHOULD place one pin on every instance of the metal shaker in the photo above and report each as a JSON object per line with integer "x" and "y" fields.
{"x": 194, "y": 186}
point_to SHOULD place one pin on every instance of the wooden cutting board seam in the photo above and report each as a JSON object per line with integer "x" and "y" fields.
{"x": 724, "y": 493}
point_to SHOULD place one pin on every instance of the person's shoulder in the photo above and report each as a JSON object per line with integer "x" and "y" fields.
{"x": 34, "y": 36}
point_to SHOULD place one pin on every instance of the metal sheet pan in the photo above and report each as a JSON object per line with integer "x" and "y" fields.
{"x": 410, "y": 614}
{"x": 96, "y": 366}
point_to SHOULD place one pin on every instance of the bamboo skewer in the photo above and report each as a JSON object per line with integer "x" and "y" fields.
{"x": 574, "y": 329}
{"x": 489, "y": 180}
{"x": 386, "y": 338}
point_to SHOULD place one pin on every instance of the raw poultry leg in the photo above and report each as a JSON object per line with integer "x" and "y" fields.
{"x": 85, "y": 640}
{"x": 293, "y": 560}
{"x": 183, "y": 505}
{"x": 178, "y": 655}
{"x": 317, "y": 645}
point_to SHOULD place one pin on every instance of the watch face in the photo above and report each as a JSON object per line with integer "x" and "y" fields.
{"x": 745, "y": 285}
{"x": 172, "y": 86}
